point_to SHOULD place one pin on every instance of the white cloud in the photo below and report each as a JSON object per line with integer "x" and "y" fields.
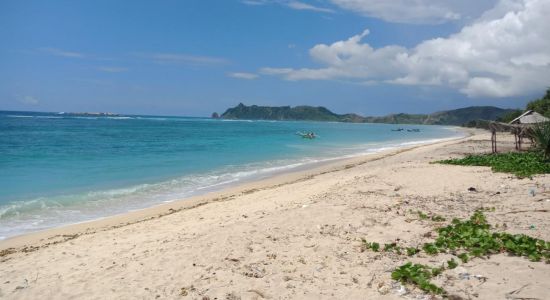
{"x": 254, "y": 2}
{"x": 399, "y": 11}
{"x": 507, "y": 54}
{"x": 27, "y": 100}
{"x": 304, "y": 6}
{"x": 417, "y": 11}
{"x": 243, "y": 75}
{"x": 184, "y": 59}
{"x": 112, "y": 69}
{"x": 276, "y": 71}
{"x": 63, "y": 53}
{"x": 296, "y": 5}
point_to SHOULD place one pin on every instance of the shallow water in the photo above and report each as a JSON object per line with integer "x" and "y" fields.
{"x": 58, "y": 169}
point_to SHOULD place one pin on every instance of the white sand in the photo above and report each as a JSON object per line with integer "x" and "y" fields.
{"x": 293, "y": 237}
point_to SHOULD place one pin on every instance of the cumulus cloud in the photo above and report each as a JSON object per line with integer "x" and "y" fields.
{"x": 504, "y": 53}
{"x": 243, "y": 75}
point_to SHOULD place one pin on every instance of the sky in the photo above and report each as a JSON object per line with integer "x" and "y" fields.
{"x": 195, "y": 57}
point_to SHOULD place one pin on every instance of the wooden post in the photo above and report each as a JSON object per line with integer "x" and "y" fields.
{"x": 494, "y": 141}
{"x": 519, "y": 143}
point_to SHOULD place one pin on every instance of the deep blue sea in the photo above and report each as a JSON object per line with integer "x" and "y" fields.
{"x": 58, "y": 169}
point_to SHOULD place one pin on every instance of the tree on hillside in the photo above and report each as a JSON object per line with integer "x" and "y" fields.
{"x": 508, "y": 117}
{"x": 542, "y": 105}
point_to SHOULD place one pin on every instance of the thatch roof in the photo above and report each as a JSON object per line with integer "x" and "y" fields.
{"x": 521, "y": 127}
{"x": 529, "y": 117}
{"x": 501, "y": 127}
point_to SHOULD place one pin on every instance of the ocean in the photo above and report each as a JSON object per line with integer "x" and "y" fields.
{"x": 58, "y": 169}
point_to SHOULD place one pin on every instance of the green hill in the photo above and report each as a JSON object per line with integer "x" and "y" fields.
{"x": 311, "y": 113}
{"x": 281, "y": 113}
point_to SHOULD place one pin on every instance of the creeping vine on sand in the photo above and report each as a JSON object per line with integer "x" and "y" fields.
{"x": 472, "y": 238}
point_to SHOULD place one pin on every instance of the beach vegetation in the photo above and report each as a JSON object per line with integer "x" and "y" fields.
{"x": 422, "y": 215}
{"x": 541, "y": 136}
{"x": 373, "y": 246}
{"x": 425, "y": 216}
{"x": 521, "y": 164}
{"x": 475, "y": 237}
{"x": 430, "y": 248}
{"x": 464, "y": 238}
{"x": 463, "y": 257}
{"x": 392, "y": 247}
{"x": 412, "y": 251}
{"x": 451, "y": 264}
{"x": 418, "y": 275}
{"x": 437, "y": 218}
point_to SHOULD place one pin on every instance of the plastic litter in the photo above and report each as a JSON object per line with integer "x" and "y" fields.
{"x": 469, "y": 276}
{"x": 399, "y": 289}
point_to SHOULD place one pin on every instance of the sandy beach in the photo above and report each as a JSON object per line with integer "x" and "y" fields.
{"x": 295, "y": 236}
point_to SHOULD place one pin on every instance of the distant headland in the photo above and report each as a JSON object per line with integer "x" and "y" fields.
{"x": 459, "y": 116}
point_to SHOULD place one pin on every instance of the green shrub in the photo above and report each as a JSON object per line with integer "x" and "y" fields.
{"x": 452, "y": 263}
{"x": 541, "y": 136}
{"x": 373, "y": 246}
{"x": 474, "y": 236}
{"x": 463, "y": 257}
{"x": 418, "y": 275}
{"x": 522, "y": 164}
{"x": 412, "y": 251}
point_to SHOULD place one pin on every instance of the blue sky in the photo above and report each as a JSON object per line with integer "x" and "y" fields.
{"x": 194, "y": 57}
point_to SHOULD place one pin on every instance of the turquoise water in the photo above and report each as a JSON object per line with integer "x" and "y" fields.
{"x": 57, "y": 169}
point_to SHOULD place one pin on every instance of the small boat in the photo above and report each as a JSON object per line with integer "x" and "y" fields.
{"x": 306, "y": 135}
{"x": 413, "y": 130}
{"x": 398, "y": 129}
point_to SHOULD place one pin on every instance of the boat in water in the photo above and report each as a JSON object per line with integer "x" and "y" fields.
{"x": 307, "y": 135}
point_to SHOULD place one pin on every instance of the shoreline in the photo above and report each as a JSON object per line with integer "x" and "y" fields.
{"x": 65, "y": 232}
{"x": 300, "y": 236}
{"x": 64, "y": 205}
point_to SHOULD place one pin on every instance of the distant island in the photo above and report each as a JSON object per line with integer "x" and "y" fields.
{"x": 461, "y": 116}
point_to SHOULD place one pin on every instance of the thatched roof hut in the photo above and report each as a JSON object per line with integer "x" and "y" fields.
{"x": 520, "y": 127}
{"x": 529, "y": 117}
